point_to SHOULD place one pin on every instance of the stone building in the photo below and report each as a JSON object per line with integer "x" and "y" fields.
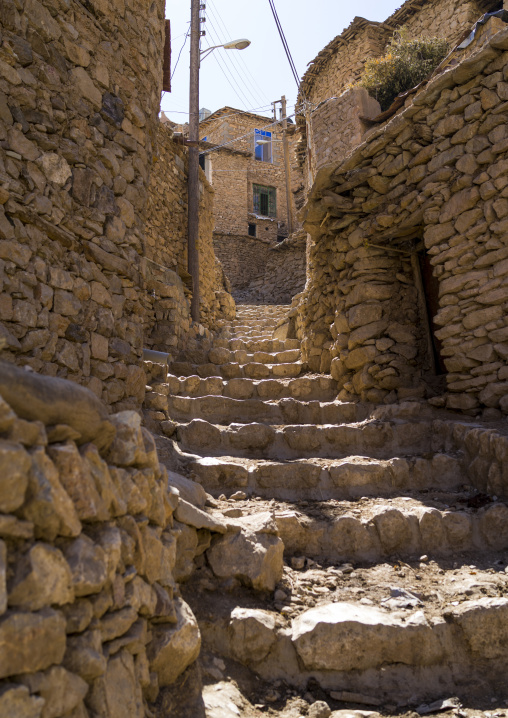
{"x": 408, "y": 265}
{"x": 243, "y": 158}
{"x": 332, "y": 120}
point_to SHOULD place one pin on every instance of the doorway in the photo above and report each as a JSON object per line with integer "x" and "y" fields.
{"x": 430, "y": 290}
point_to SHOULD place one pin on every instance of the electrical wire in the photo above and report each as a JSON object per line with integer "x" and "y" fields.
{"x": 228, "y": 75}
{"x": 227, "y": 57}
{"x": 237, "y": 58}
{"x": 242, "y": 137}
{"x": 285, "y": 43}
{"x": 180, "y": 53}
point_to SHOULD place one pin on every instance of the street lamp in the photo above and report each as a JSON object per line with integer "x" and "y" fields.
{"x": 233, "y": 45}
{"x": 193, "y": 188}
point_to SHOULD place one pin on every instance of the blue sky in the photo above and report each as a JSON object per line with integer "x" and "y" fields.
{"x": 255, "y": 77}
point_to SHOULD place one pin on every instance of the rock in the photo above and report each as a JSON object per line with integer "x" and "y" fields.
{"x": 47, "y": 504}
{"x": 14, "y": 467}
{"x": 173, "y": 648}
{"x": 186, "y": 551}
{"x": 42, "y": 578}
{"x": 252, "y": 633}
{"x": 347, "y": 637}
{"x": 319, "y": 709}
{"x": 254, "y": 555}
{"x": 238, "y": 496}
{"x": 56, "y": 401}
{"x": 484, "y": 626}
{"x": 88, "y": 566}
{"x": 3, "y": 576}
{"x": 31, "y": 641}
{"x": 128, "y": 446}
{"x": 117, "y": 623}
{"x": 84, "y": 655}
{"x": 223, "y": 700}
{"x": 192, "y": 516}
{"x": 298, "y": 563}
{"x": 117, "y": 693}
{"x": 76, "y": 478}
{"x": 189, "y": 490}
{"x": 16, "y": 702}
{"x": 62, "y": 691}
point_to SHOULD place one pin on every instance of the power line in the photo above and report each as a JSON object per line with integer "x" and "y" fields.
{"x": 237, "y": 58}
{"x": 242, "y": 137}
{"x": 244, "y": 100}
{"x": 232, "y": 67}
{"x": 285, "y": 43}
{"x": 180, "y": 53}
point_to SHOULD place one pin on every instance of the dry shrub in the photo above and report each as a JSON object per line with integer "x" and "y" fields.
{"x": 407, "y": 62}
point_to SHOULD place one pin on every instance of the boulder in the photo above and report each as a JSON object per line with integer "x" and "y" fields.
{"x": 347, "y": 637}
{"x": 56, "y": 401}
{"x": 253, "y": 554}
{"x": 252, "y": 633}
{"x": 173, "y": 648}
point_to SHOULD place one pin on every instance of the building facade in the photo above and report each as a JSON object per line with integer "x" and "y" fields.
{"x": 244, "y": 160}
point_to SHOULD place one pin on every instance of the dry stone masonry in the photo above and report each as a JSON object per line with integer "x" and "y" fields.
{"x": 407, "y": 267}
{"x": 79, "y": 98}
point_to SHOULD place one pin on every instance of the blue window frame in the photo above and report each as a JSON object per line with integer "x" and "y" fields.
{"x": 263, "y": 145}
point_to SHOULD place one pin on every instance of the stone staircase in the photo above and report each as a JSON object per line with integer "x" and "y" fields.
{"x": 395, "y": 588}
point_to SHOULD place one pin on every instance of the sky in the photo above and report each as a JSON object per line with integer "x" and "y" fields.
{"x": 253, "y": 78}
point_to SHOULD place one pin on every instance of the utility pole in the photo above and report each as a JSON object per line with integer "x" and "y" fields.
{"x": 193, "y": 186}
{"x": 287, "y": 163}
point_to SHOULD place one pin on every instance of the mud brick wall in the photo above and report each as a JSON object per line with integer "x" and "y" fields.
{"x": 165, "y": 242}
{"x": 79, "y": 98}
{"x": 428, "y": 187}
{"x": 91, "y": 618}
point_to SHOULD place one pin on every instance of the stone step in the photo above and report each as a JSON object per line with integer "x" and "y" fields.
{"x": 226, "y": 410}
{"x": 233, "y": 370}
{"x": 376, "y": 439}
{"x": 376, "y": 632}
{"x": 263, "y": 345}
{"x": 353, "y": 477}
{"x": 219, "y": 355}
{"x": 306, "y": 388}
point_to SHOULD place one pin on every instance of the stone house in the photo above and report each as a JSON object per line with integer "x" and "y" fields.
{"x": 242, "y": 156}
{"x": 247, "y": 174}
{"x": 408, "y": 267}
{"x": 333, "y": 120}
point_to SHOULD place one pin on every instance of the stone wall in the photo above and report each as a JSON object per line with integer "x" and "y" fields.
{"x": 169, "y": 327}
{"x": 262, "y": 272}
{"x": 79, "y": 98}
{"x": 93, "y": 540}
{"x": 427, "y": 189}
{"x": 337, "y": 127}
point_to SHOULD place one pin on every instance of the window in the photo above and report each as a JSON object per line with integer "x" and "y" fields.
{"x": 265, "y": 202}
{"x": 263, "y": 145}
{"x": 252, "y": 230}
